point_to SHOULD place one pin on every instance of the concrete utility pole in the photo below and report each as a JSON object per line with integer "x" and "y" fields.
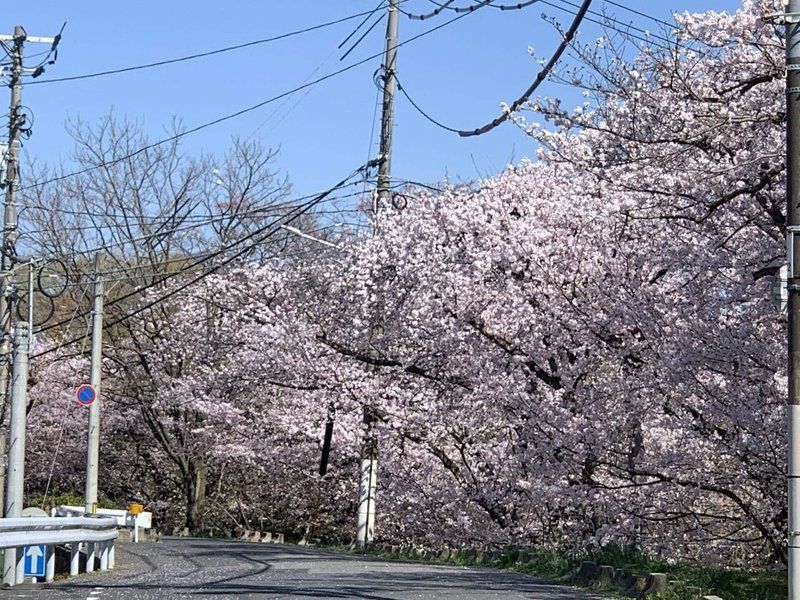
{"x": 9, "y": 228}
{"x": 13, "y": 564}
{"x": 13, "y": 44}
{"x": 365, "y": 526}
{"x": 367, "y": 486}
{"x": 792, "y": 19}
{"x": 387, "y": 111}
{"x": 93, "y": 445}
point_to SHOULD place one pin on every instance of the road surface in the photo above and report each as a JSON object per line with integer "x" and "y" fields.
{"x": 200, "y": 569}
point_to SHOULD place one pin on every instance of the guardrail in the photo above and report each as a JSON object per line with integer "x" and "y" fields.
{"x": 17, "y": 534}
{"x": 125, "y": 518}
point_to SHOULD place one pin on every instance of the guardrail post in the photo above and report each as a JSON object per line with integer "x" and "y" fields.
{"x": 50, "y": 567}
{"x": 96, "y": 535}
{"x": 20, "y": 565}
{"x": 90, "y": 555}
{"x": 74, "y": 558}
{"x": 10, "y": 566}
{"x": 103, "y": 556}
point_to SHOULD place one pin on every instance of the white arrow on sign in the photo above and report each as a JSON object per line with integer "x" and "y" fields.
{"x": 34, "y": 552}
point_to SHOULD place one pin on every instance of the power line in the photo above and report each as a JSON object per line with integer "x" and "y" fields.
{"x": 124, "y": 243}
{"x": 641, "y": 14}
{"x": 422, "y": 112}
{"x": 241, "y": 112}
{"x": 135, "y": 271}
{"x": 363, "y": 35}
{"x": 151, "y": 219}
{"x": 275, "y": 225}
{"x": 75, "y": 376}
{"x": 381, "y": 5}
{"x": 319, "y": 67}
{"x": 609, "y": 22}
{"x": 193, "y": 226}
{"x": 171, "y": 61}
{"x": 541, "y": 76}
{"x": 446, "y": 6}
{"x": 433, "y": 13}
{"x": 215, "y": 268}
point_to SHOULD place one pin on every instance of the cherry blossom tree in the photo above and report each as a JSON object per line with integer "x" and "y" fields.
{"x": 579, "y": 351}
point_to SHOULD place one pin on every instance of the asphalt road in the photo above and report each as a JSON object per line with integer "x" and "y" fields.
{"x": 201, "y": 569}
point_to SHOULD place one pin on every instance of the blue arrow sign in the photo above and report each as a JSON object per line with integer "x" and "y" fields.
{"x": 85, "y": 394}
{"x": 34, "y": 560}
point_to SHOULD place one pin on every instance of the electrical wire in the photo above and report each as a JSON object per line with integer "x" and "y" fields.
{"x": 422, "y": 17}
{"x": 133, "y": 272}
{"x": 420, "y": 110}
{"x": 154, "y": 219}
{"x": 617, "y": 25}
{"x": 646, "y": 36}
{"x": 372, "y": 129}
{"x": 363, "y": 35}
{"x": 61, "y": 345}
{"x": 608, "y": 22}
{"x": 189, "y": 57}
{"x": 241, "y": 112}
{"x": 268, "y": 230}
{"x": 446, "y": 6}
{"x": 381, "y": 5}
{"x": 472, "y": 7}
{"x": 542, "y": 75}
{"x": 641, "y": 14}
{"x": 126, "y": 242}
{"x": 184, "y": 286}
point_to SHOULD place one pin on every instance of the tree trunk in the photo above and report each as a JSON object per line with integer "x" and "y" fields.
{"x": 195, "y": 481}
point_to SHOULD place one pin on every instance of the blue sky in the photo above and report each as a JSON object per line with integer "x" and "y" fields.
{"x": 460, "y": 74}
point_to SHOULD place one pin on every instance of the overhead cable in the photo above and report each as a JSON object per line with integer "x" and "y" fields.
{"x": 241, "y": 112}
{"x": 570, "y": 33}
{"x": 541, "y": 76}
{"x": 189, "y": 57}
{"x": 270, "y": 229}
{"x": 192, "y": 226}
{"x": 446, "y": 6}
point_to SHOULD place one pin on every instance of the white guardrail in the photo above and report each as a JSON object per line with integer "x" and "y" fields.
{"x": 19, "y": 536}
{"x": 125, "y": 518}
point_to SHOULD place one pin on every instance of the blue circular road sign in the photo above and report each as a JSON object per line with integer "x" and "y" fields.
{"x": 85, "y": 394}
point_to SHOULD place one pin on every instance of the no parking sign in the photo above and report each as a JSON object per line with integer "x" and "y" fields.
{"x": 85, "y": 394}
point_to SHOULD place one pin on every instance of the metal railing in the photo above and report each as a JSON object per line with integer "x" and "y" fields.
{"x": 18, "y": 536}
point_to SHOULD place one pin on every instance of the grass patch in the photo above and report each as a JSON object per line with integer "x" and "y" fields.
{"x": 729, "y": 584}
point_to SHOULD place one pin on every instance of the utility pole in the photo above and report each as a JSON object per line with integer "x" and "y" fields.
{"x": 9, "y": 230}
{"x": 365, "y": 526}
{"x": 13, "y": 45}
{"x": 93, "y": 444}
{"x": 792, "y": 20}
{"x": 387, "y": 110}
{"x": 14, "y": 563}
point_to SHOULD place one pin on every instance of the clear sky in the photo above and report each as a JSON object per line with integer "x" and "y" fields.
{"x": 460, "y": 74}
